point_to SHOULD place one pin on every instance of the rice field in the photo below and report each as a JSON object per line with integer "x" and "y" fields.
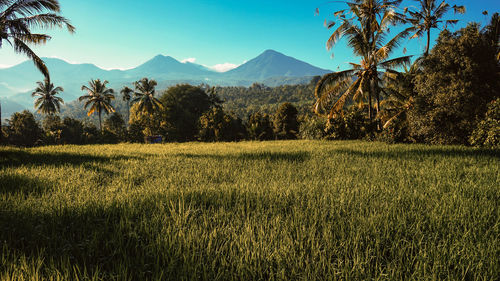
{"x": 281, "y": 210}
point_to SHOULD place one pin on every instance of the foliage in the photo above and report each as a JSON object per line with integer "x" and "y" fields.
{"x": 351, "y": 125}
{"x": 286, "y": 124}
{"x": 183, "y": 107}
{"x": 245, "y": 101}
{"x": 487, "y": 132}
{"x": 18, "y": 17}
{"x": 23, "y": 130}
{"x": 73, "y": 132}
{"x": 458, "y": 79}
{"x": 116, "y": 125}
{"x": 285, "y": 210}
{"x": 48, "y": 102}
{"x": 217, "y": 125}
{"x": 312, "y": 127}
{"x": 260, "y": 127}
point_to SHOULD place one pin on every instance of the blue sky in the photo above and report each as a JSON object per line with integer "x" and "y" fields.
{"x": 125, "y": 33}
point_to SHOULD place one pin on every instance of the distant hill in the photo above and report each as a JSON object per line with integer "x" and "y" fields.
{"x": 271, "y": 68}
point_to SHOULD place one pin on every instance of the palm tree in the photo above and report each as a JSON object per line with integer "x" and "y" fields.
{"x": 429, "y": 16}
{"x": 47, "y": 103}
{"x": 99, "y": 97}
{"x": 127, "y": 95}
{"x": 145, "y": 96}
{"x": 18, "y": 17}
{"x": 401, "y": 90}
{"x": 367, "y": 39}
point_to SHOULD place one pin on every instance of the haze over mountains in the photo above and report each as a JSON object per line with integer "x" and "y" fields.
{"x": 271, "y": 68}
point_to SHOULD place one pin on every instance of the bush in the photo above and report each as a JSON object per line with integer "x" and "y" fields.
{"x": 487, "y": 132}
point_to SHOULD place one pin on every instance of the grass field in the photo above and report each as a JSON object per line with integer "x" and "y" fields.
{"x": 294, "y": 210}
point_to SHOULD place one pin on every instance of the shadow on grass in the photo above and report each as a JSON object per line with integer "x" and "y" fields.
{"x": 424, "y": 152}
{"x": 121, "y": 240}
{"x": 10, "y": 184}
{"x": 297, "y": 157}
{"x": 17, "y": 157}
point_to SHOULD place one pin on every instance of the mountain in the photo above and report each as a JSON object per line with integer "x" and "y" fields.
{"x": 165, "y": 67}
{"x": 271, "y": 68}
{"x": 274, "y": 64}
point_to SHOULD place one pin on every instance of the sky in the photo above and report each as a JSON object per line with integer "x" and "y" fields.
{"x": 221, "y": 34}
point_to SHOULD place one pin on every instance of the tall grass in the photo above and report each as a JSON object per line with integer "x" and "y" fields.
{"x": 291, "y": 210}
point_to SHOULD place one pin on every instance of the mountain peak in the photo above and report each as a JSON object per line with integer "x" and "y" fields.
{"x": 271, "y": 52}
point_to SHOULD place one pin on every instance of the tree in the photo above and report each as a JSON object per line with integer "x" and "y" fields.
{"x": 18, "y": 17}
{"x": 47, "y": 103}
{"x": 23, "y": 130}
{"x": 183, "y": 107}
{"x": 286, "y": 125}
{"x": 127, "y": 96}
{"x": 145, "y": 96}
{"x": 99, "y": 97}
{"x": 459, "y": 78}
{"x": 366, "y": 32}
{"x": 430, "y": 16}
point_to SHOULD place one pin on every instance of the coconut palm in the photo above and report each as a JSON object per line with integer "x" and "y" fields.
{"x": 366, "y": 33}
{"x": 127, "y": 96}
{"x": 99, "y": 97}
{"x": 428, "y": 16}
{"x": 18, "y": 17}
{"x": 47, "y": 102}
{"x": 145, "y": 96}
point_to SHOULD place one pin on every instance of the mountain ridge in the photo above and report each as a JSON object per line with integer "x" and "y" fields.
{"x": 269, "y": 67}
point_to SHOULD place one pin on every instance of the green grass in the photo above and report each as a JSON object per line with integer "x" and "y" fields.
{"x": 294, "y": 210}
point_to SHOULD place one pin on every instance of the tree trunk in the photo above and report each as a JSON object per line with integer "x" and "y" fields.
{"x": 100, "y": 123}
{"x": 370, "y": 113}
{"x": 1, "y": 131}
{"x": 128, "y": 113}
{"x": 428, "y": 42}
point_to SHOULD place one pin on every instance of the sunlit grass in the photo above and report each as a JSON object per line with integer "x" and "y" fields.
{"x": 295, "y": 210}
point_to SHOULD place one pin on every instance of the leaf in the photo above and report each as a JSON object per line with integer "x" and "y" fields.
{"x": 459, "y": 9}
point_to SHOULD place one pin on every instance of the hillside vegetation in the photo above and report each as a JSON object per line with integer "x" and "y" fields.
{"x": 283, "y": 210}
